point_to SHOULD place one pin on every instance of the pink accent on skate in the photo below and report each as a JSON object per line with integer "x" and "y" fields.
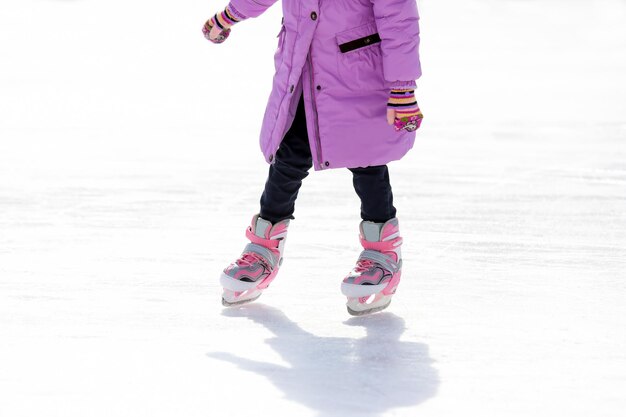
{"x": 267, "y": 281}
{"x": 389, "y": 230}
{"x": 278, "y": 230}
{"x": 393, "y": 284}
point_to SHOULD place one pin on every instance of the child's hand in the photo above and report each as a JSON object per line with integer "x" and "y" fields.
{"x": 403, "y": 111}
{"x": 213, "y": 32}
{"x": 217, "y": 28}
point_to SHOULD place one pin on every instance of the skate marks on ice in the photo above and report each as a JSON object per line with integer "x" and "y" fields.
{"x": 342, "y": 376}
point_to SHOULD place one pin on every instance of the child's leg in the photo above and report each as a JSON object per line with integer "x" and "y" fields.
{"x": 373, "y": 188}
{"x": 373, "y": 281}
{"x": 245, "y": 279}
{"x": 292, "y": 163}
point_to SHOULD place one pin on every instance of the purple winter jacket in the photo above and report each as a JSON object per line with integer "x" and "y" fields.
{"x": 344, "y": 56}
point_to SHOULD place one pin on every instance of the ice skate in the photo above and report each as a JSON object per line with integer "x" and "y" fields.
{"x": 245, "y": 279}
{"x": 373, "y": 281}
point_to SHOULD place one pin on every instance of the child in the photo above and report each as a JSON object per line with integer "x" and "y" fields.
{"x": 342, "y": 97}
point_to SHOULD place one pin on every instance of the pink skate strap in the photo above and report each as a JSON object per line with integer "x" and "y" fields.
{"x": 381, "y": 246}
{"x": 268, "y": 243}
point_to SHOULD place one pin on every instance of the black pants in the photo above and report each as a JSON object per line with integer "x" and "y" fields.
{"x": 291, "y": 165}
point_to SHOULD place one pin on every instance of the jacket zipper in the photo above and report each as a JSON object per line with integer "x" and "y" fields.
{"x": 318, "y": 145}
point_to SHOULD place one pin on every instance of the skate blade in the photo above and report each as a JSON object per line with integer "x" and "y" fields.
{"x": 232, "y": 298}
{"x": 361, "y": 306}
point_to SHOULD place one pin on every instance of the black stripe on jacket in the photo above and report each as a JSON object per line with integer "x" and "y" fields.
{"x": 359, "y": 43}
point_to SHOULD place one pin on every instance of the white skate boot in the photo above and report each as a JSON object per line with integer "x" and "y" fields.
{"x": 245, "y": 279}
{"x": 373, "y": 281}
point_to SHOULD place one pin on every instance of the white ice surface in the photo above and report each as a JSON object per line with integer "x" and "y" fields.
{"x": 127, "y": 179}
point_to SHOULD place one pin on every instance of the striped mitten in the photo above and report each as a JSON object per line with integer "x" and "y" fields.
{"x": 222, "y": 22}
{"x": 403, "y": 111}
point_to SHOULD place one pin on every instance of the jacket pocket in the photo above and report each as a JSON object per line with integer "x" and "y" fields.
{"x": 359, "y": 58}
{"x": 278, "y": 55}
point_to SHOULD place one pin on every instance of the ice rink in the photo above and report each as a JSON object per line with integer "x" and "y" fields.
{"x": 128, "y": 177}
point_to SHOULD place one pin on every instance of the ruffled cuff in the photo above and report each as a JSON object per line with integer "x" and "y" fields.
{"x": 228, "y": 17}
{"x": 235, "y": 13}
{"x": 396, "y": 85}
